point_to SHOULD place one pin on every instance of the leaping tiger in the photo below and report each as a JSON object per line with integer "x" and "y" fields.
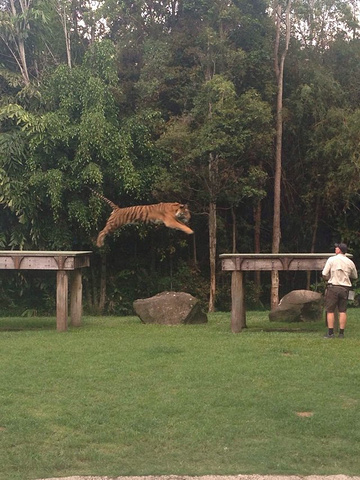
{"x": 172, "y": 215}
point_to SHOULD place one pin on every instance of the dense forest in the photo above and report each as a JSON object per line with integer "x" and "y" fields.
{"x": 246, "y": 110}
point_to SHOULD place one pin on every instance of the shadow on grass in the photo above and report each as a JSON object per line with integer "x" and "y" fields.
{"x": 288, "y": 330}
{"x": 19, "y": 324}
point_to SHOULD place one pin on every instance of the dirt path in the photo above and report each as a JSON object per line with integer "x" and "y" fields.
{"x": 214, "y": 477}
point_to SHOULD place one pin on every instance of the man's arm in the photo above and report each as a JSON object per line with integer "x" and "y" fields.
{"x": 354, "y": 274}
{"x": 326, "y": 271}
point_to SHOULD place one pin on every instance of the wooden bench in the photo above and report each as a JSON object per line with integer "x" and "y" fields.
{"x": 238, "y": 263}
{"x": 62, "y": 263}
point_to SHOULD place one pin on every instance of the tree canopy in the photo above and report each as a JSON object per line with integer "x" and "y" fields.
{"x": 177, "y": 101}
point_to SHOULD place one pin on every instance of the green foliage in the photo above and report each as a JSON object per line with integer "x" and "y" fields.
{"x": 154, "y": 72}
{"x": 100, "y": 61}
{"x": 337, "y": 142}
{"x": 188, "y": 278}
{"x": 237, "y": 130}
{"x": 75, "y": 140}
{"x": 10, "y": 85}
{"x": 342, "y": 60}
{"x": 27, "y": 293}
{"x": 175, "y": 103}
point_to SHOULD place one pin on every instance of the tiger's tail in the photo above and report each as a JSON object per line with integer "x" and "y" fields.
{"x": 106, "y": 200}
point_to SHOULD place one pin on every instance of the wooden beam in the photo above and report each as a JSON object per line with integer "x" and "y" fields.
{"x": 269, "y": 262}
{"x": 43, "y": 260}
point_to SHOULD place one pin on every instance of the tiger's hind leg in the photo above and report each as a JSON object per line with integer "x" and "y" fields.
{"x": 100, "y": 239}
{"x": 109, "y": 228}
{"x": 111, "y": 225}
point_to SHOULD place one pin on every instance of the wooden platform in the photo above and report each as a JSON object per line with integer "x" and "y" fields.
{"x": 237, "y": 263}
{"x": 62, "y": 262}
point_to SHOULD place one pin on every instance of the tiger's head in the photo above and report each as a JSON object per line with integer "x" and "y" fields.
{"x": 183, "y": 213}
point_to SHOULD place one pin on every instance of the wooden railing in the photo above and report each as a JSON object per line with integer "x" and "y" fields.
{"x": 62, "y": 262}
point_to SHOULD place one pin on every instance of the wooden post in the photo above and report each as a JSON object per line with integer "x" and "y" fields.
{"x": 61, "y": 300}
{"x": 238, "y": 314}
{"x": 76, "y": 298}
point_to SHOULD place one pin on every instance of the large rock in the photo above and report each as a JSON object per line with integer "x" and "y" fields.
{"x": 170, "y": 308}
{"x": 298, "y": 306}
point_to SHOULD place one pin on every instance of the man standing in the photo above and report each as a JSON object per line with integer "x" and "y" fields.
{"x": 339, "y": 270}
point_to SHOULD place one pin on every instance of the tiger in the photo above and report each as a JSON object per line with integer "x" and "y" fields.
{"x": 172, "y": 215}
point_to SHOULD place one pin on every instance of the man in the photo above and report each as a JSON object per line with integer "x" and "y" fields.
{"x": 339, "y": 270}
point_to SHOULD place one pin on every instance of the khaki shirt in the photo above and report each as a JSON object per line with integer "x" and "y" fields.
{"x": 340, "y": 270}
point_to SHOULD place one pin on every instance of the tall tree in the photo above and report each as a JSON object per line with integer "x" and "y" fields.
{"x": 15, "y": 20}
{"x": 236, "y": 134}
{"x": 282, "y": 21}
{"x": 62, "y": 8}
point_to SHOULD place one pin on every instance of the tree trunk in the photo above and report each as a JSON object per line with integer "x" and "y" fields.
{"x": 67, "y": 38}
{"x": 279, "y": 70}
{"x": 20, "y": 56}
{"x": 102, "y": 296}
{"x": 257, "y": 244}
{"x": 195, "y": 261}
{"x": 213, "y": 176}
{"x": 24, "y": 68}
{"x": 313, "y": 241}
{"x": 212, "y": 251}
{"x": 233, "y": 216}
{"x": 88, "y": 296}
{"x": 61, "y": 11}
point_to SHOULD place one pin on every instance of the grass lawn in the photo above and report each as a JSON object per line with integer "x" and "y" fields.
{"x": 116, "y": 397}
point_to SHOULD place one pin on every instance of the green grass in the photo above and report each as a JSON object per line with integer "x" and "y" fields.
{"x": 116, "y": 397}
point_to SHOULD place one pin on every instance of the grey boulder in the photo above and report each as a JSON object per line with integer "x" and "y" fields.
{"x": 170, "y": 308}
{"x": 298, "y": 306}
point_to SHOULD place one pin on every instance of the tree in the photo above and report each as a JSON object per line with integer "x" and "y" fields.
{"x": 21, "y": 23}
{"x": 71, "y": 140}
{"x": 209, "y": 139}
{"x": 62, "y": 9}
{"x": 14, "y": 25}
{"x": 317, "y": 23}
{"x": 221, "y": 151}
{"x": 173, "y": 104}
{"x": 318, "y": 81}
{"x": 282, "y": 24}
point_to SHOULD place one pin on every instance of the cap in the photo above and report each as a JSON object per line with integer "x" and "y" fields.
{"x": 342, "y": 246}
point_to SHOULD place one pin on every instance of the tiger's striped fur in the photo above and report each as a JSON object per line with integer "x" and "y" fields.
{"x": 172, "y": 215}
